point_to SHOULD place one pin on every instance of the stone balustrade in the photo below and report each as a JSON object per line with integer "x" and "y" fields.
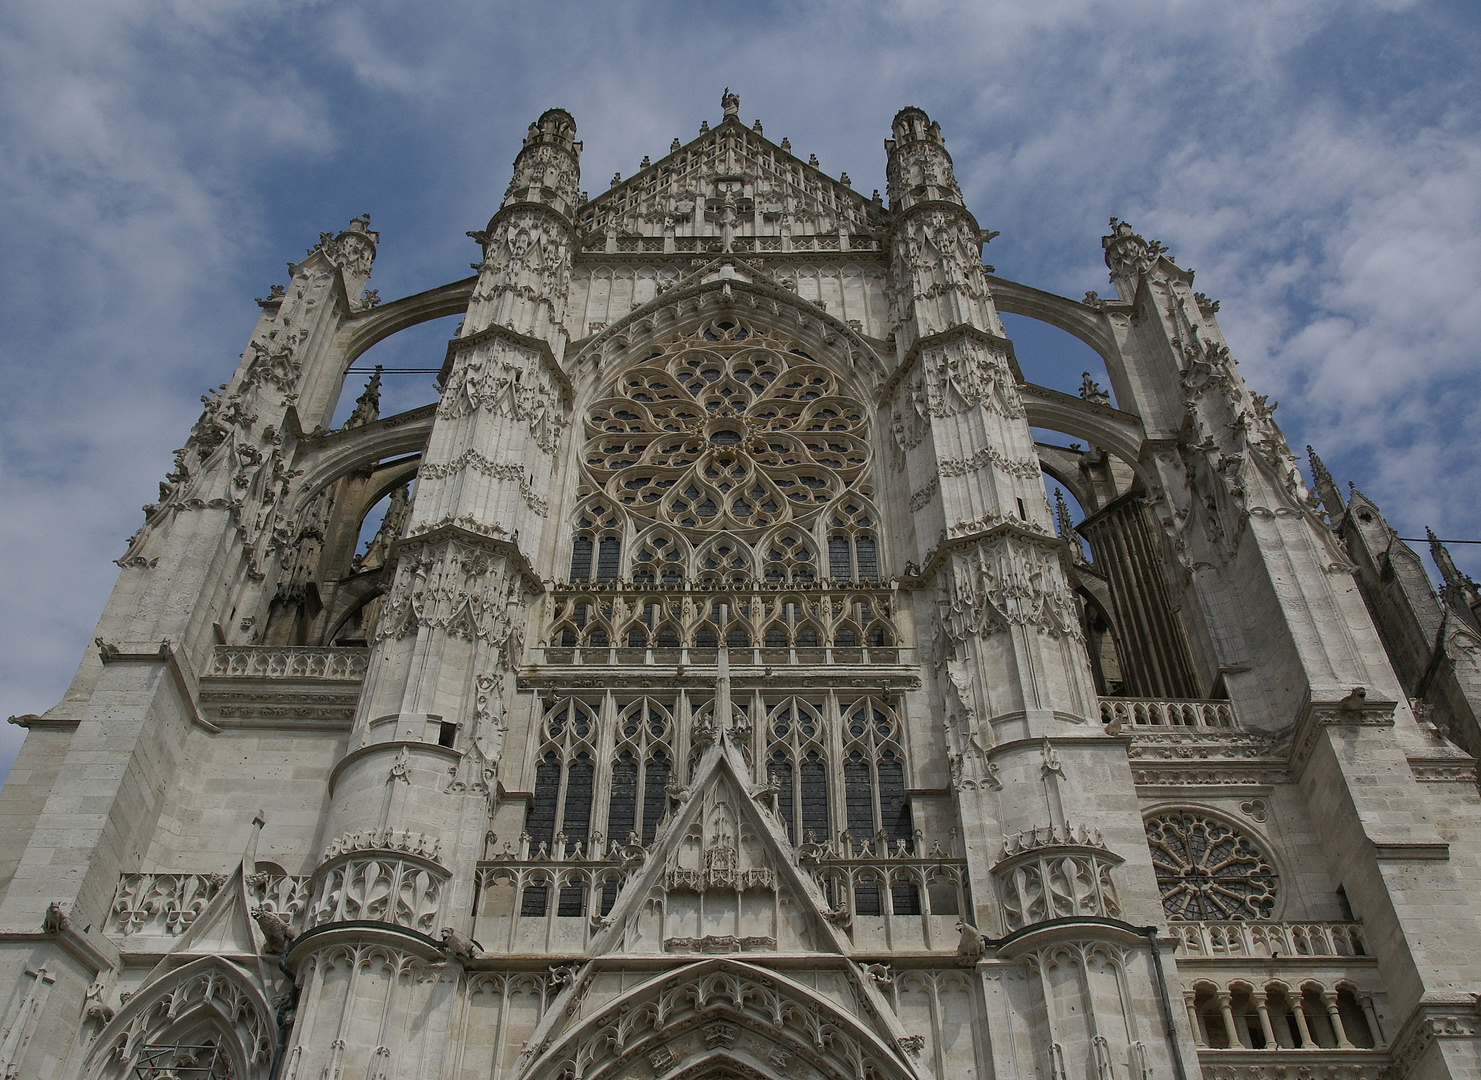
{"x": 165, "y": 905}
{"x": 1158, "y": 713}
{"x": 403, "y": 892}
{"x": 266, "y": 662}
{"x": 1268, "y": 939}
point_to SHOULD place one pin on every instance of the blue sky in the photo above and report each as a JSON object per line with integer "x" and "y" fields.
{"x": 1318, "y": 163}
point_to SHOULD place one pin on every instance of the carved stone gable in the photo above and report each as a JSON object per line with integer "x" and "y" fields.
{"x": 722, "y": 879}
{"x": 730, "y": 184}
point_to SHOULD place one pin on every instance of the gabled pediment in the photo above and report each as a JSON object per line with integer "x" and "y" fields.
{"x": 721, "y": 877}
{"x": 731, "y": 180}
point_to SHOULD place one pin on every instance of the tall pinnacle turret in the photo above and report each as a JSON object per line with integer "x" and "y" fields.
{"x": 918, "y": 169}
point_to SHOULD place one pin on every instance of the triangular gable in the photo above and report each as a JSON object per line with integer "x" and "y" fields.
{"x": 737, "y": 171}
{"x": 224, "y": 928}
{"x": 723, "y": 1011}
{"x": 721, "y": 877}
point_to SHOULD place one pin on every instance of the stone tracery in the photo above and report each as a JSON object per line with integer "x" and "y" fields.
{"x": 728, "y": 428}
{"x": 1209, "y": 870}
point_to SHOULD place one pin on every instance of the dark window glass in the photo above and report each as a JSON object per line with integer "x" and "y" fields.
{"x": 904, "y": 898}
{"x": 894, "y": 811}
{"x": 655, "y": 779}
{"x": 814, "y": 782}
{"x": 607, "y": 558}
{"x": 623, "y": 807}
{"x": 572, "y": 903}
{"x": 866, "y": 898}
{"x": 858, "y": 797}
{"x": 838, "y": 559}
{"x": 779, "y": 775}
{"x": 533, "y": 900}
{"x": 540, "y": 820}
{"x": 576, "y": 816}
{"x": 581, "y": 559}
{"x": 868, "y": 558}
{"x": 609, "y": 894}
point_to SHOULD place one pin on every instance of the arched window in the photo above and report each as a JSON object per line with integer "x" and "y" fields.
{"x": 596, "y": 547}
{"x": 853, "y": 548}
{"x": 640, "y": 773}
{"x": 874, "y": 797}
{"x": 796, "y": 763}
{"x": 724, "y": 563}
{"x": 789, "y": 558}
{"x": 560, "y": 813}
{"x": 1208, "y": 870}
{"x": 660, "y": 560}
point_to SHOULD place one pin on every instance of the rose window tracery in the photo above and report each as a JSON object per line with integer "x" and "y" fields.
{"x": 730, "y": 428}
{"x": 1207, "y": 870}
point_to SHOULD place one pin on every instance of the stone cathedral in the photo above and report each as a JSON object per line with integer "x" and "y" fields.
{"x": 722, "y": 697}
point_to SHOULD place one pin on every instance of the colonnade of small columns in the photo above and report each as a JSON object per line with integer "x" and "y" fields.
{"x": 1310, "y": 1016}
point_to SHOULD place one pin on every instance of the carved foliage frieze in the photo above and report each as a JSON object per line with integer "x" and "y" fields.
{"x": 498, "y": 378}
{"x": 1002, "y": 582}
{"x": 458, "y": 586}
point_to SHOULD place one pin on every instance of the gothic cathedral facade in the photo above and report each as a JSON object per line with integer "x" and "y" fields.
{"x": 723, "y": 697}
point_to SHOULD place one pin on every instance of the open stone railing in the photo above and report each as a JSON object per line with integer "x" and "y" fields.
{"x": 268, "y": 662}
{"x": 1157, "y": 713}
{"x": 739, "y": 657}
{"x": 1219, "y": 940}
{"x": 165, "y": 905}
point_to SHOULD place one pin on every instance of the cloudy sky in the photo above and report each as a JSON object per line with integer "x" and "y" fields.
{"x": 1318, "y": 163}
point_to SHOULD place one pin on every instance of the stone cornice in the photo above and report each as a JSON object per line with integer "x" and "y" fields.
{"x": 1352, "y": 710}
{"x": 397, "y": 745}
{"x": 1010, "y": 527}
{"x": 900, "y": 217}
{"x": 466, "y": 531}
{"x": 510, "y": 209}
{"x": 1436, "y": 1016}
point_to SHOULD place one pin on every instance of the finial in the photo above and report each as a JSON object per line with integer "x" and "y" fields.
{"x": 812, "y": 159}
{"x": 730, "y": 103}
{"x": 368, "y": 404}
{"x": 756, "y": 127}
{"x": 786, "y": 144}
{"x": 674, "y": 146}
{"x": 1326, "y": 488}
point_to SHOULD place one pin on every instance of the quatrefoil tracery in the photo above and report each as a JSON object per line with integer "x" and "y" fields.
{"x": 727, "y": 429}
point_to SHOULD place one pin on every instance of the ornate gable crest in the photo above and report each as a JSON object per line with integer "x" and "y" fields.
{"x": 730, "y": 189}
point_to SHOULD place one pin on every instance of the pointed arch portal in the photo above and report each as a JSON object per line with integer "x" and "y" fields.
{"x": 723, "y": 1018}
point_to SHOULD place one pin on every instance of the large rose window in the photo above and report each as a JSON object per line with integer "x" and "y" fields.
{"x": 729, "y": 428}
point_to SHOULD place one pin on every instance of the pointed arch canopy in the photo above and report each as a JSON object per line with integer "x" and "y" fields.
{"x": 208, "y": 1001}
{"x": 727, "y": 285}
{"x": 724, "y": 1014}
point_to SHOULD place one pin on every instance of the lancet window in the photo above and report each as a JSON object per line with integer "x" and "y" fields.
{"x": 559, "y": 817}
{"x": 596, "y": 548}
